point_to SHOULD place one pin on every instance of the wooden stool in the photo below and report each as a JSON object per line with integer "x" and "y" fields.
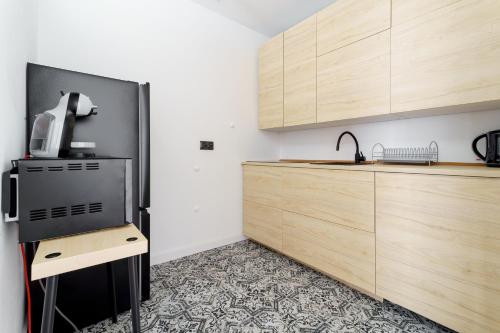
{"x": 66, "y": 254}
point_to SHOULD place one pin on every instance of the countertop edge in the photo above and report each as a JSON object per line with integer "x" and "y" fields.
{"x": 446, "y": 170}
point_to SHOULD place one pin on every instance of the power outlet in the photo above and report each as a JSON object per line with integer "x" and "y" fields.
{"x": 206, "y": 145}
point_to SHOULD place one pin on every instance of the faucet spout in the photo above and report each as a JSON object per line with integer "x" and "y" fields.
{"x": 358, "y": 157}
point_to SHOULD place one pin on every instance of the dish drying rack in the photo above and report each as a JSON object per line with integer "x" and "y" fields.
{"x": 406, "y": 155}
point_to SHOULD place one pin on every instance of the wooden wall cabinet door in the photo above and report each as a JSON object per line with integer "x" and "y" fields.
{"x": 348, "y": 21}
{"x": 271, "y": 84}
{"x": 263, "y": 224}
{"x": 354, "y": 81}
{"x": 438, "y": 248}
{"x": 339, "y": 196}
{"x": 300, "y": 73}
{"x": 262, "y": 185}
{"x": 342, "y": 252}
{"x": 445, "y": 53}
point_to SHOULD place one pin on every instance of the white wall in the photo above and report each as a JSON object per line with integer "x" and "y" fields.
{"x": 203, "y": 73}
{"x": 453, "y": 133}
{"x": 17, "y": 46}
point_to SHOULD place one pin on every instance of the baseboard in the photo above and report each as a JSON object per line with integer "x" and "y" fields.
{"x": 180, "y": 252}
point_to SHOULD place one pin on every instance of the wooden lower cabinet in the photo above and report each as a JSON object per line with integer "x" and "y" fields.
{"x": 339, "y": 196}
{"x": 345, "y": 253}
{"x": 263, "y": 224}
{"x": 438, "y": 247}
{"x": 430, "y": 243}
{"x": 262, "y": 185}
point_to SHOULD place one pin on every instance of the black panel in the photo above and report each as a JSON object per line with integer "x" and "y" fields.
{"x": 8, "y": 202}
{"x": 144, "y": 147}
{"x": 145, "y": 263}
{"x": 115, "y": 130}
{"x": 56, "y": 200}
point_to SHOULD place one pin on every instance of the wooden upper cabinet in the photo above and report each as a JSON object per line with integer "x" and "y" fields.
{"x": 271, "y": 83}
{"x": 300, "y": 73}
{"x": 348, "y": 21}
{"x": 438, "y": 247}
{"x": 445, "y": 53}
{"x": 339, "y": 196}
{"x": 354, "y": 81}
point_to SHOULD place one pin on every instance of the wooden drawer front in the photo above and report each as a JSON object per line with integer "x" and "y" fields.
{"x": 262, "y": 185}
{"x": 444, "y": 53}
{"x": 271, "y": 84}
{"x": 343, "y": 197}
{"x": 348, "y": 21}
{"x": 343, "y": 252}
{"x": 263, "y": 224}
{"x": 438, "y": 248}
{"x": 300, "y": 74}
{"x": 354, "y": 81}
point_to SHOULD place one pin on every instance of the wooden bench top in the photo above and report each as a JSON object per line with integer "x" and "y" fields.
{"x": 85, "y": 250}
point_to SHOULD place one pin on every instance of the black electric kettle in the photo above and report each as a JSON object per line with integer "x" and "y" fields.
{"x": 492, "y": 155}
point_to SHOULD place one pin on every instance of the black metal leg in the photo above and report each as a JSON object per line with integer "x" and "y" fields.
{"x": 112, "y": 291}
{"x": 49, "y": 305}
{"x": 134, "y": 295}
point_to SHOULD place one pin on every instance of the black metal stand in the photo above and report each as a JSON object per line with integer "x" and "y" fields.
{"x": 134, "y": 297}
{"x": 112, "y": 291}
{"x": 49, "y": 305}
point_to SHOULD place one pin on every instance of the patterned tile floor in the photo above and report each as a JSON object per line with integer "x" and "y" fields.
{"x": 246, "y": 288}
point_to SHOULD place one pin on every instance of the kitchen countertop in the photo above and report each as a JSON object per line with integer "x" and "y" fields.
{"x": 449, "y": 169}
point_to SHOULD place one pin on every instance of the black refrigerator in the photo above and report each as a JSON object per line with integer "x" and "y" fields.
{"x": 120, "y": 129}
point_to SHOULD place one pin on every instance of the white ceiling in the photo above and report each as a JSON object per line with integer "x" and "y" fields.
{"x": 268, "y": 17}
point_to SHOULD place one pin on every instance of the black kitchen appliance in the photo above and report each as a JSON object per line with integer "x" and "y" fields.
{"x": 60, "y": 197}
{"x": 492, "y": 152}
{"x": 122, "y": 129}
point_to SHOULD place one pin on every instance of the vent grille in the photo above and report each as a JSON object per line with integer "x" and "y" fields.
{"x": 92, "y": 166}
{"x": 58, "y": 212}
{"x": 95, "y": 207}
{"x": 77, "y": 209}
{"x": 74, "y": 166}
{"x": 55, "y": 168}
{"x": 38, "y": 214}
{"x": 34, "y": 169}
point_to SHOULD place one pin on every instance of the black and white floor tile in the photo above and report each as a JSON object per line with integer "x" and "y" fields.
{"x": 246, "y": 288}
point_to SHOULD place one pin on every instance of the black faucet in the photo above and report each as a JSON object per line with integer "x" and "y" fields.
{"x": 358, "y": 157}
